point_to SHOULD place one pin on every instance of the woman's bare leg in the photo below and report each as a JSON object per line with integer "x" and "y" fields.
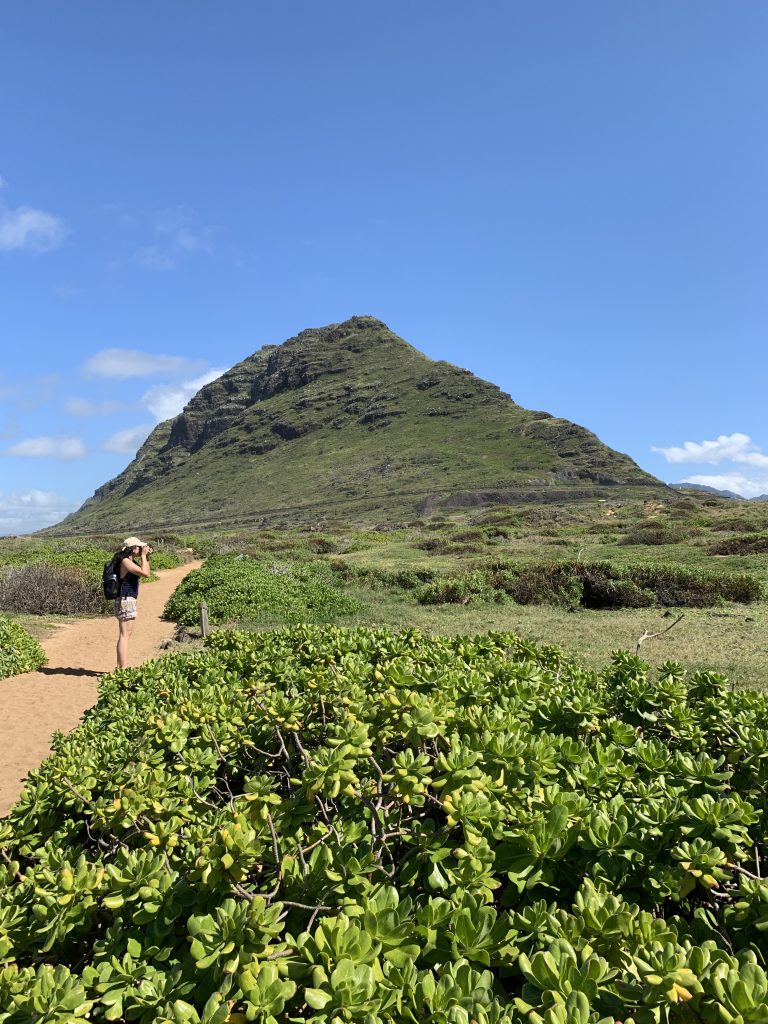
{"x": 126, "y": 629}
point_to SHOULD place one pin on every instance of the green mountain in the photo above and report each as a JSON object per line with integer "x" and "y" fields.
{"x": 349, "y": 421}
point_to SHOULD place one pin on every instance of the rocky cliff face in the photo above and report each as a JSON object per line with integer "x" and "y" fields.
{"x": 348, "y": 420}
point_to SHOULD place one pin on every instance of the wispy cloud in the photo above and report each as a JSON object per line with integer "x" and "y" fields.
{"x": 26, "y": 227}
{"x": 167, "y": 400}
{"x": 63, "y": 447}
{"x": 128, "y": 441}
{"x": 26, "y": 511}
{"x": 85, "y": 407}
{"x": 178, "y": 233}
{"x": 131, "y": 362}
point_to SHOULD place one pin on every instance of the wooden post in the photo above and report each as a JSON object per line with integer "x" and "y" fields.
{"x": 204, "y": 619}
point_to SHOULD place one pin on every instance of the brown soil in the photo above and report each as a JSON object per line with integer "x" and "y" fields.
{"x": 37, "y": 704}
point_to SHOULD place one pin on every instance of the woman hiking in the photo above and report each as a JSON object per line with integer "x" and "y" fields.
{"x": 129, "y": 574}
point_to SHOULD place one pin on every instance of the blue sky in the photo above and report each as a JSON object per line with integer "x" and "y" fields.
{"x": 567, "y": 198}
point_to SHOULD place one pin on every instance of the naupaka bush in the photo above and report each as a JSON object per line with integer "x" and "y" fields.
{"x": 19, "y": 651}
{"x": 237, "y": 588}
{"x": 331, "y": 825}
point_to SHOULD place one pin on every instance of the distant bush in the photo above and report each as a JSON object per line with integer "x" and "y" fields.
{"x": 655, "y": 532}
{"x": 740, "y": 523}
{"x": 745, "y": 544}
{"x": 238, "y": 589}
{"x": 545, "y": 583}
{"x": 43, "y": 589}
{"x": 165, "y": 560}
{"x": 19, "y": 652}
{"x": 496, "y": 531}
{"x": 450, "y": 546}
{"x": 470, "y": 586}
{"x": 323, "y": 545}
{"x": 398, "y": 579}
{"x": 597, "y": 585}
{"x": 88, "y": 558}
{"x": 472, "y": 534}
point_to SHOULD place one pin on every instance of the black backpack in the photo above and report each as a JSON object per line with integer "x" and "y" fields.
{"x": 110, "y": 578}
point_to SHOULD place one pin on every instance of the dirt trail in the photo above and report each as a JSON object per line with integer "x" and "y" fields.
{"x": 34, "y": 705}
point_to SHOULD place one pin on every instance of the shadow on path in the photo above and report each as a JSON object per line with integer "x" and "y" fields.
{"x": 49, "y": 670}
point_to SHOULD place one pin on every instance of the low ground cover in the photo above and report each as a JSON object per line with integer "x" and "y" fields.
{"x": 330, "y": 825}
{"x": 19, "y": 651}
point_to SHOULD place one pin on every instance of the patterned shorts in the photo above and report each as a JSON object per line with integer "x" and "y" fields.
{"x": 125, "y": 608}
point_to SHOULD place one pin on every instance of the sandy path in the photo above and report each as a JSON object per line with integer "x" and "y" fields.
{"x": 33, "y": 706}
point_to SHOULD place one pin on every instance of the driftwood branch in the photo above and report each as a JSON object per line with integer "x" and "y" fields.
{"x": 652, "y": 636}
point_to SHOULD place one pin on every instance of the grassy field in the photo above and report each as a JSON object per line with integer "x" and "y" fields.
{"x": 379, "y": 567}
{"x": 732, "y": 640}
{"x": 729, "y": 638}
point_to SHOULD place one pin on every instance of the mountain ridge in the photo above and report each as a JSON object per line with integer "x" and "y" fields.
{"x": 350, "y": 420}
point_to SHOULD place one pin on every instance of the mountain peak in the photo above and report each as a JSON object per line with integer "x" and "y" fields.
{"x": 349, "y": 420}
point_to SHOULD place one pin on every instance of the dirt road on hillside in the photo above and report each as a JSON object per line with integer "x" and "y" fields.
{"x": 35, "y": 705}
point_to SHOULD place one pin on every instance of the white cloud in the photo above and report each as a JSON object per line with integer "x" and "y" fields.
{"x": 3, "y": 183}
{"x": 130, "y": 362}
{"x": 27, "y": 228}
{"x": 178, "y": 234}
{"x": 85, "y": 407}
{"x": 128, "y": 441}
{"x": 167, "y": 400}
{"x": 26, "y": 511}
{"x": 727, "y": 446}
{"x": 745, "y": 486}
{"x": 738, "y": 449}
{"x": 62, "y": 447}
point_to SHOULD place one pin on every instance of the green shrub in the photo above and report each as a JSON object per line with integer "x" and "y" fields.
{"x": 239, "y": 589}
{"x": 655, "y": 532}
{"x": 367, "y": 827}
{"x": 745, "y": 544}
{"x": 740, "y": 523}
{"x": 19, "y": 652}
{"x": 597, "y": 585}
{"x": 695, "y": 588}
{"x": 556, "y": 583}
{"x": 86, "y": 559}
{"x": 397, "y": 579}
{"x": 470, "y": 586}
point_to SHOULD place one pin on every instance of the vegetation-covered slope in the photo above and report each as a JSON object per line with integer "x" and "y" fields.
{"x": 349, "y": 420}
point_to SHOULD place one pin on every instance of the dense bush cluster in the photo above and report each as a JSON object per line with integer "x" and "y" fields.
{"x": 89, "y": 558}
{"x": 244, "y": 590}
{"x": 593, "y": 585}
{"x": 359, "y": 826}
{"x": 60, "y": 577}
{"x": 19, "y": 652}
{"x": 44, "y": 589}
{"x": 656, "y": 532}
{"x": 399, "y": 579}
{"x": 744, "y": 544}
